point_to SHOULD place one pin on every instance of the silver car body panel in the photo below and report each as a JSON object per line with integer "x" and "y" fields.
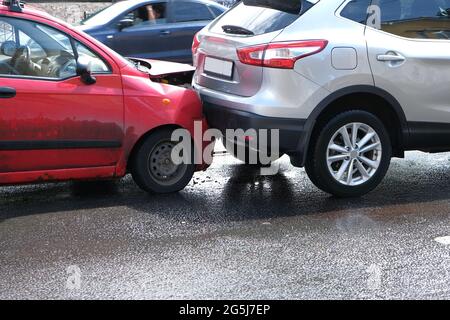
{"x": 286, "y": 93}
{"x": 285, "y": 104}
{"x": 247, "y": 79}
{"x": 419, "y": 80}
{"x": 341, "y": 33}
{"x": 419, "y": 83}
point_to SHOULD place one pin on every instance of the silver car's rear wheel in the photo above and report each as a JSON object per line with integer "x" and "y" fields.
{"x": 354, "y": 154}
{"x": 350, "y": 154}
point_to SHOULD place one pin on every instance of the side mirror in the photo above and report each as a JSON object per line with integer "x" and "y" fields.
{"x": 84, "y": 71}
{"x": 125, "y": 23}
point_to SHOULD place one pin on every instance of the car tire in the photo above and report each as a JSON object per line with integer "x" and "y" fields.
{"x": 152, "y": 167}
{"x": 354, "y": 165}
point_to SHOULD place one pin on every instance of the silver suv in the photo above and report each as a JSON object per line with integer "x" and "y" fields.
{"x": 349, "y": 84}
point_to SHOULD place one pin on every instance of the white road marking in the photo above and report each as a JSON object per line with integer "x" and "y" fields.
{"x": 443, "y": 240}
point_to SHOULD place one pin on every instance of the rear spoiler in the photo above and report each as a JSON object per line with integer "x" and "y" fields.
{"x": 288, "y": 6}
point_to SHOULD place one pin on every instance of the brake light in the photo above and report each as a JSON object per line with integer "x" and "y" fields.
{"x": 195, "y": 44}
{"x": 282, "y": 55}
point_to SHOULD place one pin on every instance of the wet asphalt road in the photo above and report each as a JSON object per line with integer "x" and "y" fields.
{"x": 230, "y": 234}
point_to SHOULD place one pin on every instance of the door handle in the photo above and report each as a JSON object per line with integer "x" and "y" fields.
{"x": 391, "y": 57}
{"x": 166, "y": 33}
{"x": 7, "y": 92}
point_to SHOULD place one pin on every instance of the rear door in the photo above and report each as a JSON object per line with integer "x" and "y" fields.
{"x": 409, "y": 54}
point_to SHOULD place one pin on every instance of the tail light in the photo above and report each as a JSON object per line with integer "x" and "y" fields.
{"x": 195, "y": 44}
{"x": 282, "y": 55}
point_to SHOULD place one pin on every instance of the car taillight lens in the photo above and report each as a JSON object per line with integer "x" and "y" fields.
{"x": 281, "y": 55}
{"x": 195, "y": 44}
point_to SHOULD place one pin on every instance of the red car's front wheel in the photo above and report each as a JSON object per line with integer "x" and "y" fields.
{"x": 153, "y": 168}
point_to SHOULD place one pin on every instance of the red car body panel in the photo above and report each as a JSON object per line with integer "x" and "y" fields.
{"x": 61, "y": 111}
{"x": 66, "y": 130}
{"x": 151, "y": 105}
{"x": 27, "y": 177}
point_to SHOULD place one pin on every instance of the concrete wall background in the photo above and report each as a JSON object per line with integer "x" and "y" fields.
{"x": 73, "y": 12}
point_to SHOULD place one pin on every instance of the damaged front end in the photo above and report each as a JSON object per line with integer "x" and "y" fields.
{"x": 177, "y": 74}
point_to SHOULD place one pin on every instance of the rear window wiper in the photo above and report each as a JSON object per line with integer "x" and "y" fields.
{"x": 237, "y": 30}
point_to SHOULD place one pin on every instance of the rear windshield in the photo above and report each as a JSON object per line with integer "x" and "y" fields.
{"x": 258, "y": 20}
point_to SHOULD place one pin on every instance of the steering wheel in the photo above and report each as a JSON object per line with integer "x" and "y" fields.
{"x": 21, "y": 60}
{"x": 69, "y": 69}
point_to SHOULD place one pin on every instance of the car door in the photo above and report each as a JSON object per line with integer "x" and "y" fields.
{"x": 146, "y": 37}
{"x": 188, "y": 18}
{"x": 49, "y": 118}
{"x": 409, "y": 54}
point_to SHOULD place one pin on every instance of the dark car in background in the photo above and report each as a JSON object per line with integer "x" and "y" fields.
{"x": 157, "y": 29}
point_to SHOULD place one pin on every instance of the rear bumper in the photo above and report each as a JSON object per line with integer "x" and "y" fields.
{"x": 223, "y": 118}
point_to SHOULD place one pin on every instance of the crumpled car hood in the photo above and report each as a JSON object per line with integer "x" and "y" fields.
{"x": 163, "y": 68}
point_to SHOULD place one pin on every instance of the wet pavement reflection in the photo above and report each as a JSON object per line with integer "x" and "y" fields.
{"x": 231, "y": 234}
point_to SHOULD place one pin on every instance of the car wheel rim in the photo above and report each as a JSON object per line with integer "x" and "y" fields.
{"x": 354, "y": 154}
{"x": 161, "y": 166}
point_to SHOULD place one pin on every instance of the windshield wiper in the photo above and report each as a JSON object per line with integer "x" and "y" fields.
{"x": 237, "y": 30}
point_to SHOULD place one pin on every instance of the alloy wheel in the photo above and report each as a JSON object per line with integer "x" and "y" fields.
{"x": 354, "y": 154}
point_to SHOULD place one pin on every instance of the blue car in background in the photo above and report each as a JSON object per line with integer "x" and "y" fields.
{"x": 155, "y": 29}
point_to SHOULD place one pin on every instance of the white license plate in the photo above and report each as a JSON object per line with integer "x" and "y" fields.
{"x": 219, "y": 68}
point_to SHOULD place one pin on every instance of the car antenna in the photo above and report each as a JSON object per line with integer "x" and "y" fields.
{"x": 14, "y": 5}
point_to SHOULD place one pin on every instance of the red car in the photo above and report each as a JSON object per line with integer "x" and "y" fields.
{"x": 72, "y": 109}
